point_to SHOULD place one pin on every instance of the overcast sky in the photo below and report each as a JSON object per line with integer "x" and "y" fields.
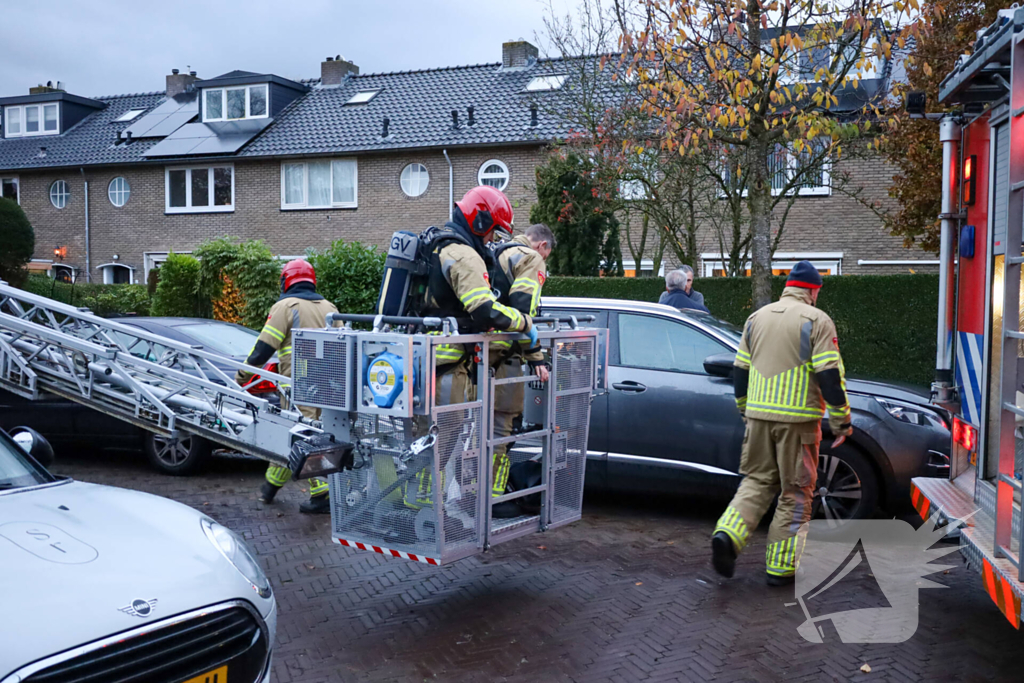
{"x": 104, "y": 47}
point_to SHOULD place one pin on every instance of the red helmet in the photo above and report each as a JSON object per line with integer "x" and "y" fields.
{"x": 297, "y": 271}
{"x": 485, "y": 209}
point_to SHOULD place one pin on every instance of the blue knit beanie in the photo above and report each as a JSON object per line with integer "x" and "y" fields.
{"x": 804, "y": 275}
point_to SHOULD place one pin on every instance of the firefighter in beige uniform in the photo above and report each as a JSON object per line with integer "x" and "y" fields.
{"x": 299, "y": 306}
{"x": 458, "y": 284}
{"x": 519, "y": 274}
{"x": 788, "y": 368}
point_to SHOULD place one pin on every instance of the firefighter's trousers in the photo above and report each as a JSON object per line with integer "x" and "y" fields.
{"x": 778, "y": 458}
{"x": 279, "y": 476}
{"x": 508, "y": 405}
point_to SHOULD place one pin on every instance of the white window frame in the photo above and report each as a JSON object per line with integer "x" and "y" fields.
{"x": 792, "y": 165}
{"x": 480, "y": 173}
{"x": 872, "y": 70}
{"x": 224, "y": 101}
{"x": 17, "y": 186}
{"x": 153, "y": 259}
{"x": 363, "y": 96}
{"x": 303, "y": 206}
{"x": 546, "y": 83}
{"x": 127, "y": 191}
{"x": 645, "y": 266}
{"x": 107, "y": 270}
{"x": 188, "y": 208}
{"x": 832, "y": 261}
{"x": 23, "y": 123}
{"x": 401, "y": 179}
{"x": 64, "y": 192}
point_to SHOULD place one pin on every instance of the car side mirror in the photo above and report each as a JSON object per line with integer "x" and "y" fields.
{"x": 35, "y": 444}
{"x": 720, "y": 365}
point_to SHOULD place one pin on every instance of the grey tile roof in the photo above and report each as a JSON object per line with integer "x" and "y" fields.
{"x": 89, "y": 142}
{"x": 418, "y": 104}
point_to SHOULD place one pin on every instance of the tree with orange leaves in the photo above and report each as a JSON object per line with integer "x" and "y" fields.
{"x": 776, "y": 83}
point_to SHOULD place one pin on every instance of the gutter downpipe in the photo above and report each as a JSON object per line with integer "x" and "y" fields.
{"x": 451, "y": 186}
{"x": 942, "y": 388}
{"x": 88, "y": 265}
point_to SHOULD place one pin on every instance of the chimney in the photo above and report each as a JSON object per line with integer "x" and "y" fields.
{"x": 533, "y": 116}
{"x": 472, "y": 118}
{"x": 333, "y": 70}
{"x": 455, "y": 119}
{"x": 178, "y": 83}
{"x": 517, "y": 54}
{"x": 385, "y": 127}
{"x": 41, "y": 89}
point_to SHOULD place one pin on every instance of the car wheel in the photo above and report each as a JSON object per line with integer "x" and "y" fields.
{"x": 179, "y": 458}
{"x": 847, "y": 487}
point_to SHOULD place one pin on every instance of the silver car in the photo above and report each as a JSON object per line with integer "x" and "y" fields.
{"x": 106, "y": 584}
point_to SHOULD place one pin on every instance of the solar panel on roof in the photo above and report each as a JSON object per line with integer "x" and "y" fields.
{"x": 208, "y": 138}
{"x": 173, "y": 113}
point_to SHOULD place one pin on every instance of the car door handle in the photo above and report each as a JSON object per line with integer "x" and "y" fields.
{"x": 630, "y": 386}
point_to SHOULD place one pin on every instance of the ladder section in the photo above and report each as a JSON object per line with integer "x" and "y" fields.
{"x": 1007, "y": 544}
{"x": 151, "y": 381}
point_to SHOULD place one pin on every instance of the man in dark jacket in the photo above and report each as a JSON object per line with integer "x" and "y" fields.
{"x": 679, "y": 292}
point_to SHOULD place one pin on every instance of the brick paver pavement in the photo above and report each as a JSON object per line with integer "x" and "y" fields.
{"x": 626, "y": 594}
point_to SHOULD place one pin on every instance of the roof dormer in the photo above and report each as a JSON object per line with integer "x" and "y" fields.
{"x": 49, "y": 112}
{"x": 242, "y": 95}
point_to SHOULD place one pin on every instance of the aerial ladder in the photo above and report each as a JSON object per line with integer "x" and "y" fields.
{"x": 409, "y": 477}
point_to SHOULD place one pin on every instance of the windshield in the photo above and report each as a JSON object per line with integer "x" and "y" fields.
{"x": 725, "y": 328}
{"x": 16, "y": 470}
{"x": 231, "y": 340}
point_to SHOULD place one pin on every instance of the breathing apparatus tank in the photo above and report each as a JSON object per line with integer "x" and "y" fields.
{"x": 404, "y": 271}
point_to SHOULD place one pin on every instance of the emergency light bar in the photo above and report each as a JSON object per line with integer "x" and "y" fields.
{"x": 969, "y": 179}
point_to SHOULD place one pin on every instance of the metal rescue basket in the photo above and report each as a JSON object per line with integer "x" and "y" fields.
{"x": 420, "y": 484}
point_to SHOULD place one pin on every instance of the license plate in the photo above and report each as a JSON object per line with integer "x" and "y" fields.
{"x": 218, "y": 675}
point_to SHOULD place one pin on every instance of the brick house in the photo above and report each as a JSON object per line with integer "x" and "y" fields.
{"x": 112, "y": 184}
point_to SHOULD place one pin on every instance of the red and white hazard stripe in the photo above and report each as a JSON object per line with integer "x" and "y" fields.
{"x": 388, "y": 551}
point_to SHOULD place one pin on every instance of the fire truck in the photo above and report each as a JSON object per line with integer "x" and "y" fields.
{"x": 980, "y": 334}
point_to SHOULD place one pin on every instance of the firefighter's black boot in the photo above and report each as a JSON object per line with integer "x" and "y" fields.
{"x": 506, "y": 510}
{"x": 317, "y": 505}
{"x": 267, "y": 492}
{"x": 723, "y": 554}
{"x": 776, "y": 581}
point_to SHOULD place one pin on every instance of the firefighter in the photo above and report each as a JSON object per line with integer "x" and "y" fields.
{"x": 788, "y": 368}
{"x": 299, "y": 306}
{"x": 519, "y": 274}
{"x": 458, "y": 283}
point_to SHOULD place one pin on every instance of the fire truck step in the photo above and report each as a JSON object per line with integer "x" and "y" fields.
{"x": 999, "y": 575}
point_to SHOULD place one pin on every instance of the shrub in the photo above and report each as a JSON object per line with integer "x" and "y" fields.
{"x": 104, "y": 300}
{"x": 348, "y": 274}
{"x": 575, "y": 199}
{"x": 179, "y": 292}
{"x": 894, "y": 340}
{"x": 17, "y": 242}
{"x": 252, "y": 271}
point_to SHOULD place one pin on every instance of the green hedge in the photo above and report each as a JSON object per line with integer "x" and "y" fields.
{"x": 886, "y": 323}
{"x": 105, "y": 300}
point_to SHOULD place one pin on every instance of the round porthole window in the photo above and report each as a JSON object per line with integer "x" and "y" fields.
{"x": 493, "y": 173}
{"x": 118, "y": 191}
{"x": 59, "y": 194}
{"x": 415, "y": 180}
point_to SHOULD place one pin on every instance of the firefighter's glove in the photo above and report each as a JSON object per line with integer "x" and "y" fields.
{"x": 840, "y": 426}
{"x": 242, "y": 377}
{"x": 534, "y": 338}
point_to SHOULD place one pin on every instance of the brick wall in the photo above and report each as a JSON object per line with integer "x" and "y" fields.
{"x": 142, "y": 226}
{"x": 816, "y": 224}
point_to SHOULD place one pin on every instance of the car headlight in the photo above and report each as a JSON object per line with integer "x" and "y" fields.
{"x": 915, "y": 415}
{"x": 234, "y": 550}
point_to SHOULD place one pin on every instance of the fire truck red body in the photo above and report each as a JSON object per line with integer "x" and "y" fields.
{"x": 980, "y": 342}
